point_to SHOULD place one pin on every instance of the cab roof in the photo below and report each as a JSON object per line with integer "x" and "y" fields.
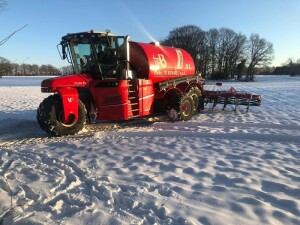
{"x": 91, "y": 33}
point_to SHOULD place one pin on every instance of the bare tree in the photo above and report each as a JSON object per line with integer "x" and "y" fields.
{"x": 204, "y": 57}
{"x": 190, "y": 38}
{"x": 5, "y": 66}
{"x": 231, "y": 48}
{"x": 35, "y": 69}
{"x": 224, "y": 46}
{"x": 293, "y": 67}
{"x": 261, "y": 53}
{"x": 212, "y": 40}
{"x": 3, "y": 4}
{"x": 222, "y": 53}
{"x": 227, "y": 49}
{"x": 236, "y": 53}
{"x": 241, "y": 68}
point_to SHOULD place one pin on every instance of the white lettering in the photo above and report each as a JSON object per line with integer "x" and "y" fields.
{"x": 188, "y": 66}
{"x": 179, "y": 59}
{"x": 160, "y": 61}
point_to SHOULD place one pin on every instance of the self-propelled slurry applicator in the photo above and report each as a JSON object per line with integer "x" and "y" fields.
{"x": 117, "y": 79}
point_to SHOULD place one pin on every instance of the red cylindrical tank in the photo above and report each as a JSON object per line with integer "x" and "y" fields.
{"x": 160, "y": 63}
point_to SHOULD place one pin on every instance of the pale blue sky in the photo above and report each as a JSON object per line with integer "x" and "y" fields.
{"x": 276, "y": 20}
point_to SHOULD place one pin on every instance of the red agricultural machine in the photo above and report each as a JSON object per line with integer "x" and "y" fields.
{"x": 116, "y": 79}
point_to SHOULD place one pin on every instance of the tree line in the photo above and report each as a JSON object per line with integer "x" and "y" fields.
{"x": 217, "y": 53}
{"x": 8, "y": 68}
{"x": 222, "y": 53}
{"x": 292, "y": 67}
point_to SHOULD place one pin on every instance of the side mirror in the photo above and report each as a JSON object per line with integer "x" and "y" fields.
{"x": 64, "y": 54}
{"x": 63, "y": 48}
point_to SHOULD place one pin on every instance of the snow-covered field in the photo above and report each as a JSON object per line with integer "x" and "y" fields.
{"x": 221, "y": 167}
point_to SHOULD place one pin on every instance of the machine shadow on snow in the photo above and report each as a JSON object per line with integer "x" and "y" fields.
{"x": 16, "y": 127}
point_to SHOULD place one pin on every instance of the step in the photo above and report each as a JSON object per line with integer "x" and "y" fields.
{"x": 134, "y": 116}
{"x": 133, "y": 97}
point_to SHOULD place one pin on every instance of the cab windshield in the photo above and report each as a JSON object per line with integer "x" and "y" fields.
{"x": 100, "y": 56}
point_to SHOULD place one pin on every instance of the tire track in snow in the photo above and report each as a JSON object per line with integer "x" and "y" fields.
{"x": 206, "y": 130}
{"x": 70, "y": 180}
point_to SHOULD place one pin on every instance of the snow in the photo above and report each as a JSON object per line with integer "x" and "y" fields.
{"x": 221, "y": 167}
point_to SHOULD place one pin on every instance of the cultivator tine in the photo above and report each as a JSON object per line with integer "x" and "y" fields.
{"x": 225, "y": 104}
{"x": 247, "y": 108}
{"x": 236, "y": 103}
{"x": 215, "y": 102}
{"x": 249, "y": 101}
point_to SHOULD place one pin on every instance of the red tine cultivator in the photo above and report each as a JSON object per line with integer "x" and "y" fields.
{"x": 217, "y": 94}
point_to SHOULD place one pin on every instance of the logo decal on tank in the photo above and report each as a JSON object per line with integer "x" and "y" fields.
{"x": 160, "y": 61}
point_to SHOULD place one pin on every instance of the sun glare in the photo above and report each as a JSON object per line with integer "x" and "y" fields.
{"x": 138, "y": 23}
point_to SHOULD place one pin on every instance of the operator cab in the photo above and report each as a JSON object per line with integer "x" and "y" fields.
{"x": 101, "y": 54}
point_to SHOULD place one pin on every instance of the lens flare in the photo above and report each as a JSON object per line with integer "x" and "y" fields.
{"x": 138, "y": 23}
